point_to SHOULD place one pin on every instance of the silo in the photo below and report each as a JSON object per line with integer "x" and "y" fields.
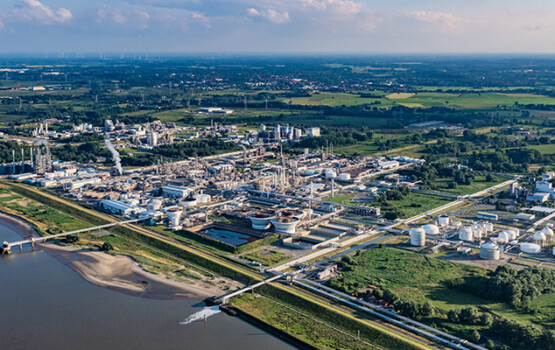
{"x": 465, "y": 234}
{"x": 488, "y": 226}
{"x": 417, "y": 237}
{"x": 490, "y": 251}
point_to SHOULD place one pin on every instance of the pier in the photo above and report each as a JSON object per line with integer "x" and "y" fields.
{"x": 7, "y": 246}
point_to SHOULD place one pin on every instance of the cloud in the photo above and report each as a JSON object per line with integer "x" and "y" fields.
{"x": 338, "y": 7}
{"x": 34, "y": 11}
{"x": 269, "y": 15}
{"x": 135, "y": 18}
{"x": 446, "y": 20}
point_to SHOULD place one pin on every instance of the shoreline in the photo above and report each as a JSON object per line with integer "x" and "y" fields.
{"x": 116, "y": 272}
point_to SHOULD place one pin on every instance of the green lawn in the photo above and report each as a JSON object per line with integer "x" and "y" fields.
{"x": 477, "y": 185}
{"x": 267, "y": 257}
{"x": 415, "y": 203}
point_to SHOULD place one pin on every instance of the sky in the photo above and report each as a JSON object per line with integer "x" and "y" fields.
{"x": 277, "y": 26}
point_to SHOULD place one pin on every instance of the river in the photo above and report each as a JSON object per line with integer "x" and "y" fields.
{"x": 47, "y": 305}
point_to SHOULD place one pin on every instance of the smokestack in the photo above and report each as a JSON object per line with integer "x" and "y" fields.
{"x": 115, "y": 156}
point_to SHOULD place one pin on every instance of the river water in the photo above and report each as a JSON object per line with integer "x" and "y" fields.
{"x": 47, "y": 305}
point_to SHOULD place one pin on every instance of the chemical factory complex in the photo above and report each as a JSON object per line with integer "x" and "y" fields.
{"x": 306, "y": 207}
{"x": 261, "y": 190}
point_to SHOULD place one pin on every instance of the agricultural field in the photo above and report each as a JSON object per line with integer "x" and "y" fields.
{"x": 467, "y": 100}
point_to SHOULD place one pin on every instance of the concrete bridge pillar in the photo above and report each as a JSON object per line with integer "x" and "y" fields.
{"x": 6, "y": 249}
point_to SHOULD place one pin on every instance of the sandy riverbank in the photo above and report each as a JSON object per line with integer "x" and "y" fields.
{"x": 118, "y": 272}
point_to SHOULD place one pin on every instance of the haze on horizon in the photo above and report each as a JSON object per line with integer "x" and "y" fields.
{"x": 270, "y": 26}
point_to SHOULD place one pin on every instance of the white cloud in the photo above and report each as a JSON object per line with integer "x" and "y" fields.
{"x": 136, "y": 18}
{"x": 447, "y": 20}
{"x": 269, "y": 15}
{"x": 36, "y": 12}
{"x": 338, "y": 7}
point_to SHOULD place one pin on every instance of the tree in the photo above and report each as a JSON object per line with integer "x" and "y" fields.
{"x": 474, "y": 337}
{"x": 486, "y": 319}
{"x": 489, "y": 344}
{"x": 427, "y": 309}
{"x": 453, "y": 315}
{"x": 106, "y": 247}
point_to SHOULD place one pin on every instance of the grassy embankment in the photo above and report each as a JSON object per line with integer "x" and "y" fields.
{"x": 316, "y": 322}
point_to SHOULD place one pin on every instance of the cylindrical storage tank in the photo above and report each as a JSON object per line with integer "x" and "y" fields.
{"x": 285, "y": 225}
{"x": 443, "y": 220}
{"x": 548, "y": 232}
{"x": 417, "y": 237}
{"x": 530, "y": 248}
{"x": 553, "y": 251}
{"x": 477, "y": 231}
{"x": 488, "y": 226}
{"x": 457, "y": 224}
{"x": 261, "y": 220}
{"x": 539, "y": 237}
{"x": 344, "y": 177}
{"x": 504, "y": 237}
{"x": 292, "y": 214}
{"x": 516, "y": 232}
{"x": 188, "y": 202}
{"x": 466, "y": 234}
{"x": 490, "y": 251}
{"x": 154, "y": 204}
{"x": 174, "y": 215}
{"x": 330, "y": 174}
{"x": 202, "y": 198}
{"x": 431, "y": 229}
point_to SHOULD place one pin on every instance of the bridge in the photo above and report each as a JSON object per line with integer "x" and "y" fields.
{"x": 223, "y": 299}
{"x": 7, "y": 246}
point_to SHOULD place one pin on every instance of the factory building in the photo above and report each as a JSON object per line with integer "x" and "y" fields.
{"x": 175, "y": 191}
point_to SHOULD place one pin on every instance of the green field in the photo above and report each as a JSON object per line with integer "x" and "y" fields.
{"x": 477, "y": 185}
{"x": 466, "y": 100}
{"x": 416, "y": 203}
{"x": 421, "y": 278}
{"x": 267, "y": 257}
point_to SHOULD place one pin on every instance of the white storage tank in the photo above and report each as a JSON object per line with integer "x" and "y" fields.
{"x": 443, "y": 221}
{"x": 344, "y": 177}
{"x": 285, "y": 225}
{"x": 548, "y": 232}
{"x": 530, "y": 248}
{"x": 490, "y": 251}
{"x": 417, "y": 237}
{"x": 488, "y": 226}
{"x": 504, "y": 237}
{"x": 330, "y": 174}
{"x": 261, "y": 220}
{"x": 202, "y": 198}
{"x": 516, "y": 231}
{"x": 188, "y": 202}
{"x": 465, "y": 234}
{"x": 553, "y": 252}
{"x": 539, "y": 238}
{"x": 478, "y": 231}
{"x": 174, "y": 215}
{"x": 154, "y": 204}
{"x": 431, "y": 229}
